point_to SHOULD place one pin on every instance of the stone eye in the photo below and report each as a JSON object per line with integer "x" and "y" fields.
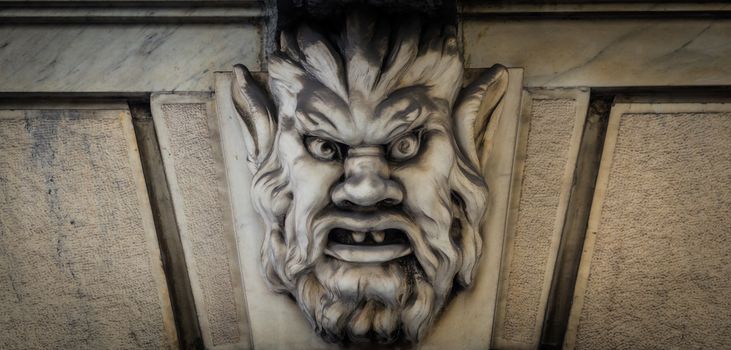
{"x": 322, "y": 149}
{"x": 405, "y": 147}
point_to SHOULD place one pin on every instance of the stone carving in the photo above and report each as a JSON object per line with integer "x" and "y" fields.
{"x": 366, "y": 173}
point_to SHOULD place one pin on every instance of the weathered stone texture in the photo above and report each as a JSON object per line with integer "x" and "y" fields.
{"x": 659, "y": 276}
{"x": 202, "y": 218}
{"x": 586, "y": 52}
{"x": 549, "y": 138}
{"x": 122, "y": 58}
{"x": 77, "y": 264}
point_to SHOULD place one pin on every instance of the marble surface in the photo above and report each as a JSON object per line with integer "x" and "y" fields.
{"x": 152, "y": 14}
{"x": 608, "y": 8}
{"x": 276, "y": 321}
{"x": 605, "y": 52}
{"x": 122, "y": 58}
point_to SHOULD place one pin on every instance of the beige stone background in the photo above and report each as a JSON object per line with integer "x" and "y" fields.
{"x": 78, "y": 253}
{"x": 655, "y": 272}
{"x": 126, "y": 227}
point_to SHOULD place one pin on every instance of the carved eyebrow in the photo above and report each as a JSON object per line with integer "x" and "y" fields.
{"x": 412, "y": 95}
{"x": 408, "y": 114}
{"x": 402, "y": 110}
{"x": 402, "y": 129}
{"x": 396, "y": 132}
{"x": 309, "y": 126}
{"x": 319, "y": 108}
{"x": 316, "y": 117}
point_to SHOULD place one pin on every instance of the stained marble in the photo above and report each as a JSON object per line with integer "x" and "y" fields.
{"x": 122, "y": 58}
{"x": 607, "y": 52}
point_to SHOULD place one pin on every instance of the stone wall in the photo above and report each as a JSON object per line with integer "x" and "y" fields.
{"x": 187, "y": 132}
{"x": 548, "y": 146}
{"x": 656, "y": 261}
{"x": 79, "y": 261}
{"x": 92, "y": 256}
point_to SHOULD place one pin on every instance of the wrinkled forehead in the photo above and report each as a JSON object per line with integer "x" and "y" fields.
{"x": 368, "y": 82}
{"x": 366, "y": 119}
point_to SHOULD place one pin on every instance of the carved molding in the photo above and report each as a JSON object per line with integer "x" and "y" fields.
{"x": 129, "y": 12}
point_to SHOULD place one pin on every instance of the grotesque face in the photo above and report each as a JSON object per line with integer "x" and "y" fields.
{"x": 366, "y": 174}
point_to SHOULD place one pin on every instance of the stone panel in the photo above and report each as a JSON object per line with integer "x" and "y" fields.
{"x": 616, "y": 51}
{"x": 467, "y": 322}
{"x": 117, "y": 58}
{"x": 550, "y": 136}
{"x": 188, "y": 136}
{"x": 79, "y": 263}
{"x": 656, "y": 264}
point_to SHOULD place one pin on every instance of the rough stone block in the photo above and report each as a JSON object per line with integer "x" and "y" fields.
{"x": 193, "y": 165}
{"x": 549, "y": 141}
{"x": 656, "y": 267}
{"x": 79, "y": 263}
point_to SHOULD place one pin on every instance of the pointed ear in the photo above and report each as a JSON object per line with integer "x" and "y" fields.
{"x": 476, "y": 111}
{"x": 254, "y": 107}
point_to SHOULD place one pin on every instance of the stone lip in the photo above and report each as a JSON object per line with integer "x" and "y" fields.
{"x": 367, "y": 254}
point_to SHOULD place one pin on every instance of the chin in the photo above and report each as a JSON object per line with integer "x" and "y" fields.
{"x": 367, "y": 284}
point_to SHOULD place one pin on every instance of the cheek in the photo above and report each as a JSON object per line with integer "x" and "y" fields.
{"x": 309, "y": 178}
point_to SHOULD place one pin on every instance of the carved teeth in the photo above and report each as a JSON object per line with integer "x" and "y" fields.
{"x": 378, "y": 236}
{"x": 358, "y": 236}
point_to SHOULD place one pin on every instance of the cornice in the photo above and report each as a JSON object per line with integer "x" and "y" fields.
{"x": 579, "y": 9}
{"x": 123, "y": 11}
{"x": 245, "y": 11}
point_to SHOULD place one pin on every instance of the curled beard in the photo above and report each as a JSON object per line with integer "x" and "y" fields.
{"x": 364, "y": 302}
{"x": 360, "y": 303}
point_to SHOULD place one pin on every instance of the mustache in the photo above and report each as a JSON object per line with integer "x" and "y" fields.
{"x": 392, "y": 218}
{"x": 332, "y": 218}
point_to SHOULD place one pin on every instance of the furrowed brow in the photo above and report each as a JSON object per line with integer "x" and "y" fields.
{"x": 321, "y": 109}
{"x": 306, "y": 125}
{"x": 401, "y": 102}
{"x": 403, "y": 110}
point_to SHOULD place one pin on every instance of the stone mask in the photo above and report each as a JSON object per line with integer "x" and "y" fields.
{"x": 367, "y": 173}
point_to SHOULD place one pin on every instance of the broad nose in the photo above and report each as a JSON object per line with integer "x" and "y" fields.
{"x": 367, "y": 180}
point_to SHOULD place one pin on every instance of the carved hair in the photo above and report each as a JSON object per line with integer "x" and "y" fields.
{"x": 369, "y": 59}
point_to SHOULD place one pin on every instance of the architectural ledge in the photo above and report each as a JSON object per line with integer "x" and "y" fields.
{"x": 584, "y": 9}
{"x": 123, "y": 11}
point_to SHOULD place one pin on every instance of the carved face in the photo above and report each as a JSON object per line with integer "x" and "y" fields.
{"x": 367, "y": 180}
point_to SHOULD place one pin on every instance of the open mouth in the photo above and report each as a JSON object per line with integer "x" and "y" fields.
{"x": 367, "y": 246}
